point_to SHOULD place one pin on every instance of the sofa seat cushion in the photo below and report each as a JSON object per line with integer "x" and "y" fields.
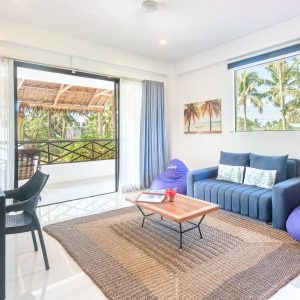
{"x": 247, "y": 200}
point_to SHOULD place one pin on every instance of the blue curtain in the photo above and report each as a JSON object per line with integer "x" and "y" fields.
{"x": 154, "y": 152}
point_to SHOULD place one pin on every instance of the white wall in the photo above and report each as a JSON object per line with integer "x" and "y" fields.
{"x": 29, "y": 43}
{"x": 212, "y": 80}
{"x": 272, "y": 37}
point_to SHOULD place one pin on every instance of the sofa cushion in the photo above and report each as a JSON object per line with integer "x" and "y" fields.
{"x": 247, "y": 200}
{"x": 278, "y": 163}
{"x": 234, "y": 159}
{"x": 261, "y": 178}
{"x": 231, "y": 173}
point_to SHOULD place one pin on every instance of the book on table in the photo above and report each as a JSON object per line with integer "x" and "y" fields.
{"x": 154, "y": 192}
{"x": 151, "y": 198}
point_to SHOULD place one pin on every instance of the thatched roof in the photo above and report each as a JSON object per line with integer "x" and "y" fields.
{"x": 56, "y": 96}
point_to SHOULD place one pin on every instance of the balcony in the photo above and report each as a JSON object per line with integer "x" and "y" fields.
{"x": 70, "y": 121}
{"x": 77, "y": 168}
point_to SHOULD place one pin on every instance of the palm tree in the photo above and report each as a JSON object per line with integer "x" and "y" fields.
{"x": 293, "y": 106}
{"x": 107, "y": 120}
{"x": 210, "y": 108}
{"x": 282, "y": 85}
{"x": 246, "y": 91}
{"x": 191, "y": 113}
{"x": 59, "y": 121}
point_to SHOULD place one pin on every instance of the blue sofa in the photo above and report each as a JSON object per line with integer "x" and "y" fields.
{"x": 268, "y": 205}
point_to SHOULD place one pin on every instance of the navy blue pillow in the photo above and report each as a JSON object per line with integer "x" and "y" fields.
{"x": 234, "y": 159}
{"x": 278, "y": 163}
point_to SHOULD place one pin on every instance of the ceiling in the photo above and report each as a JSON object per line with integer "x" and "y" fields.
{"x": 189, "y": 26}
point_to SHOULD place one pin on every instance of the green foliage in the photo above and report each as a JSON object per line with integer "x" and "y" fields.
{"x": 283, "y": 84}
{"x": 274, "y": 125}
{"x": 57, "y": 126}
{"x": 91, "y": 127}
{"x": 251, "y": 125}
{"x": 247, "y": 84}
{"x": 108, "y": 120}
{"x": 35, "y": 125}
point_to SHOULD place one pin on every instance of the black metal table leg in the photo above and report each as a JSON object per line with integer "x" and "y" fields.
{"x": 144, "y": 215}
{"x": 199, "y": 226}
{"x": 180, "y": 233}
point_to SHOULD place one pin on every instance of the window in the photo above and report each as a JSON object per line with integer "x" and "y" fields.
{"x": 267, "y": 96}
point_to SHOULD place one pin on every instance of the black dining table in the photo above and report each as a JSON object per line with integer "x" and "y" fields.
{"x": 2, "y": 245}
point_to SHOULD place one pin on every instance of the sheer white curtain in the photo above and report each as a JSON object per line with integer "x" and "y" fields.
{"x": 130, "y": 122}
{"x": 6, "y": 124}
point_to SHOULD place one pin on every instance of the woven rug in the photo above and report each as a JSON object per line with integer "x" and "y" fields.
{"x": 236, "y": 259}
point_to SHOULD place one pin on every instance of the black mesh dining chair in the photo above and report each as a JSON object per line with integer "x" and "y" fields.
{"x": 25, "y": 200}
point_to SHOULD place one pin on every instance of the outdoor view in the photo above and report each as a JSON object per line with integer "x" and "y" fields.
{"x": 66, "y": 118}
{"x": 42, "y": 124}
{"x": 268, "y": 96}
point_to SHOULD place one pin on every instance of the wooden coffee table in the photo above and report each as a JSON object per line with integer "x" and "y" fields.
{"x": 183, "y": 209}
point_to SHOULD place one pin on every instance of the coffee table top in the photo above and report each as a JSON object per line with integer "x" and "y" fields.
{"x": 183, "y": 208}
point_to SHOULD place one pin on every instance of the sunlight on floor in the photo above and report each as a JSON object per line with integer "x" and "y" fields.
{"x": 63, "y": 191}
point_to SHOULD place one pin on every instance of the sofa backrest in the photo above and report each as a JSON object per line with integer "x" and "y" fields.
{"x": 292, "y": 168}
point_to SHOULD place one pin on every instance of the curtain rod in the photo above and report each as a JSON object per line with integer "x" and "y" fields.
{"x": 264, "y": 56}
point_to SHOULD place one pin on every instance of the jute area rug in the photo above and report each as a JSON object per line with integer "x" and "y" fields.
{"x": 236, "y": 259}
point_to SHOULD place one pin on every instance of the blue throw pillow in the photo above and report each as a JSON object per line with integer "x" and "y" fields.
{"x": 234, "y": 159}
{"x": 278, "y": 163}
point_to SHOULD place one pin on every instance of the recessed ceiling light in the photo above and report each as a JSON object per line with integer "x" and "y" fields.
{"x": 163, "y": 42}
{"x": 150, "y": 5}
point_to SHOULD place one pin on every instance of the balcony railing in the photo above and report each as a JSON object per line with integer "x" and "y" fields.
{"x": 67, "y": 151}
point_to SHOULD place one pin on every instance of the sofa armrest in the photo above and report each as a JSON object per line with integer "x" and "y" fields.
{"x": 197, "y": 175}
{"x": 285, "y": 198}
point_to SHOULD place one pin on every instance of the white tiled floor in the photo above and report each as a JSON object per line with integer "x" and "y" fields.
{"x": 63, "y": 191}
{"x": 26, "y": 275}
{"x": 28, "y": 280}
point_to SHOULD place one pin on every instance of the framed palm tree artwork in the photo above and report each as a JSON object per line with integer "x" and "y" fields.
{"x": 203, "y": 117}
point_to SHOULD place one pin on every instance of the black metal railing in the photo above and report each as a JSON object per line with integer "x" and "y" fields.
{"x": 66, "y": 151}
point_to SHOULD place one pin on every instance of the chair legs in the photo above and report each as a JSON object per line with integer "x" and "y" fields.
{"x": 43, "y": 247}
{"x": 34, "y": 240}
{"x": 39, "y": 230}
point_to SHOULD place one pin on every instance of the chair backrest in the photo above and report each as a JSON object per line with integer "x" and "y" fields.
{"x": 33, "y": 188}
{"x": 28, "y": 163}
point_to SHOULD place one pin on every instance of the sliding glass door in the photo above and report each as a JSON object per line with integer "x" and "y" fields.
{"x": 66, "y": 126}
